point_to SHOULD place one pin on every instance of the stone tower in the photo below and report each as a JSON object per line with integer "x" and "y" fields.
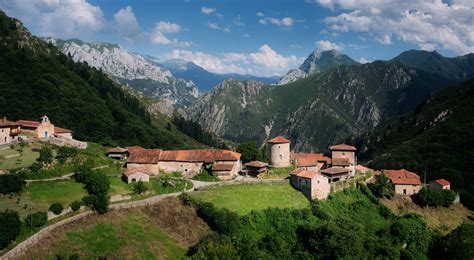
{"x": 279, "y": 152}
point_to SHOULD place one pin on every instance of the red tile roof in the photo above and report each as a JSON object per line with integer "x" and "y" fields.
{"x": 309, "y": 159}
{"x": 117, "y": 150}
{"x": 442, "y": 182}
{"x": 340, "y": 161}
{"x": 342, "y": 147}
{"x": 278, "y": 140}
{"x": 140, "y": 155}
{"x": 402, "y": 177}
{"x": 222, "y": 167}
{"x": 59, "y": 130}
{"x": 335, "y": 170}
{"x": 28, "y": 123}
{"x": 5, "y": 122}
{"x": 256, "y": 164}
{"x": 304, "y": 174}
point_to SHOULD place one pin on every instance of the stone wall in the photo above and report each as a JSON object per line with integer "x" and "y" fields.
{"x": 279, "y": 155}
{"x": 146, "y": 167}
{"x": 63, "y": 141}
{"x": 188, "y": 169}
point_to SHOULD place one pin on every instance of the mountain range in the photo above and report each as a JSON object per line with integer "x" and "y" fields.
{"x": 327, "y": 105}
{"x": 317, "y": 62}
{"x": 204, "y": 79}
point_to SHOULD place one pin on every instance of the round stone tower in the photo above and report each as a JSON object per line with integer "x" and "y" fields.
{"x": 279, "y": 152}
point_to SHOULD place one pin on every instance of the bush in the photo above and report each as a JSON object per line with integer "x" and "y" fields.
{"x": 97, "y": 183}
{"x": 36, "y": 219}
{"x": 89, "y": 200}
{"x": 82, "y": 173}
{"x": 76, "y": 205}
{"x": 10, "y": 225}
{"x": 411, "y": 230}
{"x": 101, "y": 204}
{"x": 65, "y": 153}
{"x": 139, "y": 187}
{"x": 459, "y": 244}
{"x": 36, "y": 167}
{"x": 46, "y": 155}
{"x": 56, "y": 208}
{"x": 249, "y": 151}
{"x": 10, "y": 183}
{"x": 382, "y": 187}
{"x": 434, "y": 198}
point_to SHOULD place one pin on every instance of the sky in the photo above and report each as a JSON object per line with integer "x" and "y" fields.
{"x": 256, "y": 37}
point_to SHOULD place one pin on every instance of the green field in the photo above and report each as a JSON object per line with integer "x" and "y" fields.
{"x": 127, "y": 235}
{"x": 38, "y": 196}
{"x": 117, "y": 186}
{"x": 247, "y": 197}
{"x": 26, "y": 157}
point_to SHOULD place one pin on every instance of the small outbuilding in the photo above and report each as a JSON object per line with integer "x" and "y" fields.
{"x": 336, "y": 174}
{"x": 136, "y": 175}
{"x": 223, "y": 171}
{"x": 256, "y": 168}
{"x": 312, "y": 184}
{"x": 440, "y": 184}
{"x": 118, "y": 153}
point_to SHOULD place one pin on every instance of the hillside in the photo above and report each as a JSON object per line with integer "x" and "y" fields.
{"x": 37, "y": 79}
{"x": 435, "y": 140}
{"x": 131, "y": 69}
{"x": 457, "y": 68}
{"x": 317, "y": 62}
{"x": 204, "y": 79}
{"x": 318, "y": 110}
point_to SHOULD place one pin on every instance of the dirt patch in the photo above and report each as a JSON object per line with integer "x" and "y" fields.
{"x": 438, "y": 218}
{"x": 178, "y": 220}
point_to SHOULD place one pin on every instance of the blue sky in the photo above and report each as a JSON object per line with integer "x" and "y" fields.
{"x": 256, "y": 37}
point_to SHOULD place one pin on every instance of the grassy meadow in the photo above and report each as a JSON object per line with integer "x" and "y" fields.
{"x": 247, "y": 197}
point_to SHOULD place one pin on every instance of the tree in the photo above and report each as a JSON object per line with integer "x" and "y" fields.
{"x": 76, "y": 205}
{"x": 10, "y": 183}
{"x": 97, "y": 183}
{"x": 382, "y": 187}
{"x": 65, "y": 153}
{"x": 45, "y": 155}
{"x": 459, "y": 244}
{"x": 82, "y": 173}
{"x": 249, "y": 151}
{"x": 434, "y": 198}
{"x": 101, "y": 203}
{"x": 10, "y": 225}
{"x": 56, "y": 208}
{"x": 36, "y": 219}
{"x": 412, "y": 230}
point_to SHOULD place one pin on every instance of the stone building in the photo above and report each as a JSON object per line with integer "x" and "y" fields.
{"x": 343, "y": 155}
{"x": 136, "y": 175}
{"x": 279, "y": 152}
{"x": 43, "y": 129}
{"x": 310, "y": 161}
{"x": 335, "y": 174}
{"x": 256, "y": 168}
{"x": 118, "y": 153}
{"x": 8, "y": 131}
{"x": 224, "y": 164}
{"x": 312, "y": 184}
{"x": 440, "y": 184}
{"x": 404, "y": 182}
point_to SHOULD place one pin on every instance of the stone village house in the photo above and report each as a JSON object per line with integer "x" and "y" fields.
{"x": 224, "y": 164}
{"x": 404, "y": 182}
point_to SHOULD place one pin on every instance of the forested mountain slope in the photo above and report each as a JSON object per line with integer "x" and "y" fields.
{"x": 37, "y": 79}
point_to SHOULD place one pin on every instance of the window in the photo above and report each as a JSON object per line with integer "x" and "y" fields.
{"x": 405, "y": 191}
{"x": 281, "y": 157}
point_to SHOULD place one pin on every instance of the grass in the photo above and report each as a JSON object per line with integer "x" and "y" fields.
{"x": 442, "y": 219}
{"x": 127, "y": 235}
{"x": 247, "y": 197}
{"x": 27, "y": 157}
{"x": 279, "y": 173}
{"x": 168, "y": 185}
{"x": 205, "y": 176}
{"x": 38, "y": 196}
{"x": 118, "y": 186}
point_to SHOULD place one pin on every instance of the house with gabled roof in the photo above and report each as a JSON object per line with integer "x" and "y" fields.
{"x": 313, "y": 184}
{"x": 256, "y": 168}
{"x": 440, "y": 184}
{"x": 403, "y": 181}
{"x": 225, "y": 164}
{"x": 343, "y": 156}
{"x": 9, "y": 131}
{"x": 136, "y": 175}
{"x": 310, "y": 161}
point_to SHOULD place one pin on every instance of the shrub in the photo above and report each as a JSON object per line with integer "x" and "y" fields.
{"x": 36, "y": 219}
{"x": 65, "y": 153}
{"x": 89, "y": 200}
{"x": 382, "y": 187}
{"x": 10, "y": 225}
{"x": 46, "y": 155}
{"x": 411, "y": 230}
{"x": 139, "y": 187}
{"x": 101, "y": 203}
{"x": 434, "y": 198}
{"x": 82, "y": 173}
{"x": 459, "y": 244}
{"x": 76, "y": 205}
{"x": 36, "y": 167}
{"x": 249, "y": 151}
{"x": 97, "y": 183}
{"x": 10, "y": 183}
{"x": 56, "y": 208}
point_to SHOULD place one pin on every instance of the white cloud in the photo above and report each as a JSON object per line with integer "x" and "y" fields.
{"x": 326, "y": 45}
{"x": 363, "y": 60}
{"x": 259, "y": 14}
{"x": 125, "y": 23}
{"x": 427, "y": 24}
{"x": 264, "y": 62}
{"x": 168, "y": 27}
{"x": 246, "y": 35}
{"x": 207, "y": 10}
{"x": 237, "y": 21}
{"x": 215, "y": 26}
{"x": 284, "y": 22}
{"x": 65, "y": 19}
{"x": 158, "y": 35}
